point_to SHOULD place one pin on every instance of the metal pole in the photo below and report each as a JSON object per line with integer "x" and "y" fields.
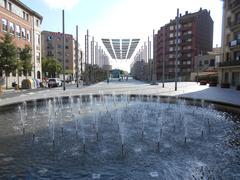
{"x": 85, "y": 58}
{"x": 163, "y": 60}
{"x": 153, "y": 68}
{"x": 77, "y": 58}
{"x": 88, "y": 63}
{"x": 63, "y": 23}
{"x": 176, "y": 50}
{"x": 92, "y": 60}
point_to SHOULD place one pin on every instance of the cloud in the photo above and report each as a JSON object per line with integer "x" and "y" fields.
{"x": 62, "y": 4}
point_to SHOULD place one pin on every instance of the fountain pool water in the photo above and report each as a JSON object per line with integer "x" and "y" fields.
{"x": 118, "y": 137}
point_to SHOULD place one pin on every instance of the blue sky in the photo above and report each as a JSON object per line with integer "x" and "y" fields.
{"x": 120, "y": 18}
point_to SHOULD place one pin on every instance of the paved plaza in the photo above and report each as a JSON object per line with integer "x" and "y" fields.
{"x": 185, "y": 89}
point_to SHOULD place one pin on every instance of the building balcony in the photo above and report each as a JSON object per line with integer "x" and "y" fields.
{"x": 234, "y": 43}
{"x": 235, "y": 6}
{"x": 235, "y": 26}
{"x": 229, "y": 63}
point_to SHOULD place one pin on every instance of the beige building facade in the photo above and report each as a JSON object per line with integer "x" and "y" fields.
{"x": 229, "y": 67}
{"x": 24, "y": 25}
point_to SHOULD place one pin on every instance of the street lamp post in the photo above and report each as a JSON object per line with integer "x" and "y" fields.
{"x": 163, "y": 60}
{"x": 77, "y": 58}
{"x": 176, "y": 50}
{"x": 63, "y": 24}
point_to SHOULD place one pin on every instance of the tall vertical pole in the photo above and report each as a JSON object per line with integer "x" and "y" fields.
{"x": 163, "y": 60}
{"x": 87, "y": 56}
{"x": 85, "y": 59}
{"x": 92, "y": 60}
{"x": 63, "y": 24}
{"x": 77, "y": 58}
{"x": 148, "y": 60}
{"x": 176, "y": 51}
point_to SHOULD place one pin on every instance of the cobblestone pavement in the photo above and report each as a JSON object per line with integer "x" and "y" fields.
{"x": 184, "y": 89}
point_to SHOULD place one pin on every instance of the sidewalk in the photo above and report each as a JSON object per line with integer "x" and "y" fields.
{"x": 185, "y": 89}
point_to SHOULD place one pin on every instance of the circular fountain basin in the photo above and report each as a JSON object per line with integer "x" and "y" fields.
{"x": 118, "y": 137}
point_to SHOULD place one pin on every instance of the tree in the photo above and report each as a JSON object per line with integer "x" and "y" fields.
{"x": 51, "y": 67}
{"x": 25, "y": 56}
{"x": 8, "y": 55}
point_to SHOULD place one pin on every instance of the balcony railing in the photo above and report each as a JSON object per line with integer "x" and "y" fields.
{"x": 235, "y": 26}
{"x": 229, "y": 63}
{"x": 235, "y": 5}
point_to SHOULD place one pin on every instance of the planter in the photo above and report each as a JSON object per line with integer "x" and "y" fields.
{"x": 212, "y": 83}
{"x": 225, "y": 85}
{"x": 203, "y": 82}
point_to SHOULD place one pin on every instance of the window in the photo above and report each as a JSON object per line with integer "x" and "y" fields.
{"x": 38, "y": 57}
{"x": 37, "y": 39}
{"x": 171, "y": 42}
{"x": 11, "y": 28}
{"x": 23, "y": 33}
{"x": 189, "y": 55}
{"x": 212, "y": 62}
{"x": 171, "y": 27}
{"x": 28, "y": 35}
{"x": 4, "y": 25}
{"x": 238, "y": 18}
{"x": 229, "y": 21}
{"x": 59, "y": 46}
{"x": 5, "y": 4}
{"x": 237, "y": 55}
{"x": 37, "y": 22}
{"x": 66, "y": 47}
{"x": 18, "y": 33}
{"x": 171, "y": 49}
{"x": 27, "y": 17}
{"x": 9, "y": 6}
{"x": 49, "y": 38}
{"x": 171, "y": 35}
{"x": 205, "y": 62}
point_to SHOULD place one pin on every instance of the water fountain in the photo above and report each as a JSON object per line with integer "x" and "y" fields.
{"x": 118, "y": 137}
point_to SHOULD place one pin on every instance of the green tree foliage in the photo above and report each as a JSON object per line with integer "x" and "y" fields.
{"x": 8, "y": 54}
{"x": 25, "y": 56}
{"x": 51, "y": 67}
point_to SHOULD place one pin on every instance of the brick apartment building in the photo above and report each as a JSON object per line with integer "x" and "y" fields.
{"x": 52, "y": 46}
{"x": 229, "y": 67}
{"x": 195, "y": 37}
{"x": 24, "y": 25}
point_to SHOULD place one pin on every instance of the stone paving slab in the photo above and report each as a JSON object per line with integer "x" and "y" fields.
{"x": 185, "y": 89}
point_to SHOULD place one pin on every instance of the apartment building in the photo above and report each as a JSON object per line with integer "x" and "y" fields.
{"x": 52, "y": 46}
{"x": 229, "y": 67}
{"x": 24, "y": 25}
{"x": 195, "y": 37}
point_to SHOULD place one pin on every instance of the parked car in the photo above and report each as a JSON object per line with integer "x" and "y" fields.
{"x": 54, "y": 82}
